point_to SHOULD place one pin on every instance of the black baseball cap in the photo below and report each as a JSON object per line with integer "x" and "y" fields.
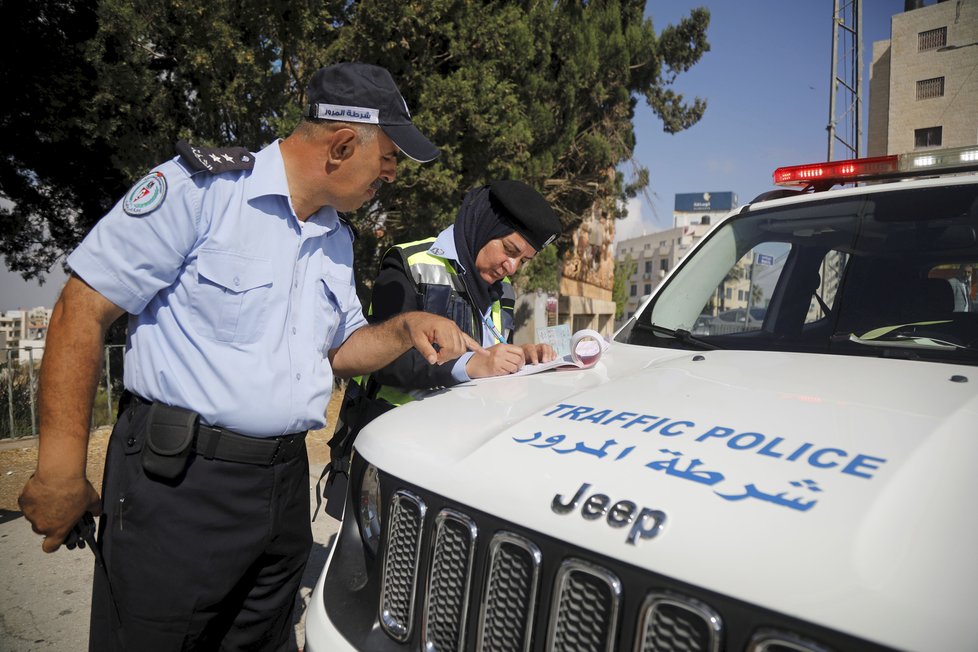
{"x": 361, "y": 92}
{"x": 529, "y": 213}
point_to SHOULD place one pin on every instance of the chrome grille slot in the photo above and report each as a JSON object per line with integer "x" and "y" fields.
{"x": 584, "y": 613}
{"x": 672, "y": 623}
{"x": 400, "y": 571}
{"x": 512, "y": 577}
{"x": 769, "y": 640}
{"x": 447, "y": 597}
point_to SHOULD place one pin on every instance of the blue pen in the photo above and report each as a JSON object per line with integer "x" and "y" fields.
{"x": 492, "y": 328}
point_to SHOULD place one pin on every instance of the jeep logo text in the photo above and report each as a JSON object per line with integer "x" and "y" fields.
{"x": 645, "y": 524}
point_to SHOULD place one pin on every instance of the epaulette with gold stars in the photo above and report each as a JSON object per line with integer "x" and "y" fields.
{"x": 215, "y": 159}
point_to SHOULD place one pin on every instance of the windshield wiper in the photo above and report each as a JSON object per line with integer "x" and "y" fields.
{"x": 679, "y": 334}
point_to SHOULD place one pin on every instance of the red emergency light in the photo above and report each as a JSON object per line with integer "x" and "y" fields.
{"x": 929, "y": 162}
{"x": 836, "y": 171}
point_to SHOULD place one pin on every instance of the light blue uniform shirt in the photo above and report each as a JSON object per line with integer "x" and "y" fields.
{"x": 234, "y": 303}
{"x": 444, "y": 247}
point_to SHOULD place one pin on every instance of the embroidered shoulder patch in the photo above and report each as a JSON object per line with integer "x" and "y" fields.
{"x": 146, "y": 196}
{"x": 215, "y": 159}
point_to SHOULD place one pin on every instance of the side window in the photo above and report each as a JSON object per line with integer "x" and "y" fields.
{"x": 932, "y": 39}
{"x": 739, "y": 303}
{"x": 930, "y": 88}
{"x": 927, "y": 137}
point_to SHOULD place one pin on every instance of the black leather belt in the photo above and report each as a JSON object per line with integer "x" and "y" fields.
{"x": 221, "y": 444}
{"x": 212, "y": 442}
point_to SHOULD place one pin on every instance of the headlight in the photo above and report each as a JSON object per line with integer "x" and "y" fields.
{"x": 369, "y": 509}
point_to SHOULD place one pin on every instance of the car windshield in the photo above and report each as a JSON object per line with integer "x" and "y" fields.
{"x": 889, "y": 274}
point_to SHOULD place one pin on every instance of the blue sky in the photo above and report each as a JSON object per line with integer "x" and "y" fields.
{"x": 17, "y": 294}
{"x": 766, "y": 82}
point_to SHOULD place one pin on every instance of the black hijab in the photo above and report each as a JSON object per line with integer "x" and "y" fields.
{"x": 479, "y": 220}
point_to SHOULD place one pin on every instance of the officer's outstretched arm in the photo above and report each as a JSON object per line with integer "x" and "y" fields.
{"x": 371, "y": 347}
{"x": 59, "y": 493}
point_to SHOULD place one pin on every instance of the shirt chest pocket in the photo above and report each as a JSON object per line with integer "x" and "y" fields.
{"x": 231, "y": 296}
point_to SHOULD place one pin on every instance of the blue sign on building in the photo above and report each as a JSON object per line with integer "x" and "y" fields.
{"x": 705, "y": 202}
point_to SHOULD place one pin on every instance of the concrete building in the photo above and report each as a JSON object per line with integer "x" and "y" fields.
{"x": 655, "y": 254}
{"x": 20, "y": 329}
{"x": 923, "y": 84}
{"x": 583, "y": 299}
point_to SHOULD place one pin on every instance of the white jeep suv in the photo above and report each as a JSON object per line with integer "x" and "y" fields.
{"x": 799, "y": 481}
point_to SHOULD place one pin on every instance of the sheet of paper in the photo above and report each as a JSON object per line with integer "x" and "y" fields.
{"x": 559, "y": 337}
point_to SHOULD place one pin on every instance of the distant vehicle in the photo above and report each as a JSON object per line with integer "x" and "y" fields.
{"x": 802, "y": 481}
{"x": 740, "y": 315}
{"x": 728, "y": 321}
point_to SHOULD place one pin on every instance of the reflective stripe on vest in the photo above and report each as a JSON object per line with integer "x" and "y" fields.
{"x": 426, "y": 267}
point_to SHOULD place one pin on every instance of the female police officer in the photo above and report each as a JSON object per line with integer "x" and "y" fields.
{"x": 463, "y": 274}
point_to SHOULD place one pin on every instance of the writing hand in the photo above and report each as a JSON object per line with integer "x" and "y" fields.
{"x": 501, "y": 359}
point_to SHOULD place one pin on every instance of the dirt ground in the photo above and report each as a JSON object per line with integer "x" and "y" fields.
{"x": 19, "y": 457}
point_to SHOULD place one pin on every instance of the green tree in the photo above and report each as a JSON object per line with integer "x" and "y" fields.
{"x": 541, "y": 91}
{"x": 116, "y": 83}
{"x": 619, "y": 291}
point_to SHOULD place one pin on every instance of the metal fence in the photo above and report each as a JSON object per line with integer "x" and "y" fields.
{"x": 19, "y": 373}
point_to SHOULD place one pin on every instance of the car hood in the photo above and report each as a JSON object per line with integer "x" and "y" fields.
{"x": 823, "y": 487}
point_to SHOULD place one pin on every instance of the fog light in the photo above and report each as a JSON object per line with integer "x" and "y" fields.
{"x": 369, "y": 509}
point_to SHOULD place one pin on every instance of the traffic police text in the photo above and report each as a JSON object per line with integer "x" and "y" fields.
{"x": 823, "y": 457}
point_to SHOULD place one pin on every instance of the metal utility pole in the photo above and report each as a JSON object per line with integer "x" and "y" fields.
{"x": 846, "y": 89}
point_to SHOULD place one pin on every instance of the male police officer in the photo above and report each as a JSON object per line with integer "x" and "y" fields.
{"x": 236, "y": 272}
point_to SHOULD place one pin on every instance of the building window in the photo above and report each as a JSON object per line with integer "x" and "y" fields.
{"x": 928, "y": 88}
{"x": 647, "y": 289}
{"x": 634, "y": 290}
{"x": 664, "y": 265}
{"x": 648, "y": 267}
{"x": 648, "y": 245}
{"x": 932, "y": 38}
{"x": 729, "y": 293}
{"x": 927, "y": 137}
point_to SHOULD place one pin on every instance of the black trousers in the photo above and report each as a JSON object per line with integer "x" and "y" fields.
{"x": 211, "y": 561}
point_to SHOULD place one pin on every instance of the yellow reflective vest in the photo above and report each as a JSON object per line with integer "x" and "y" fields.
{"x": 427, "y": 269}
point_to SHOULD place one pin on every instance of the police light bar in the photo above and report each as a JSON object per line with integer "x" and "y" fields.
{"x": 830, "y": 173}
